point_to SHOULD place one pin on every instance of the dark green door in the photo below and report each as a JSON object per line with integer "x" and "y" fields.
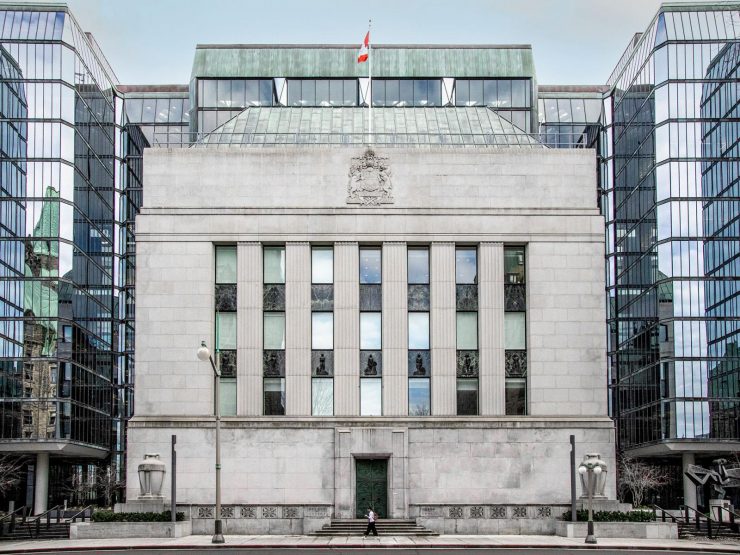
{"x": 371, "y": 486}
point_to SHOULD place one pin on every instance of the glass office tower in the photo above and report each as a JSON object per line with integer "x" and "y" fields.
{"x": 71, "y": 188}
{"x": 671, "y": 233}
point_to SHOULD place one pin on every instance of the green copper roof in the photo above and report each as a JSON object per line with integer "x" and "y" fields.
{"x": 391, "y": 126}
{"x": 317, "y": 61}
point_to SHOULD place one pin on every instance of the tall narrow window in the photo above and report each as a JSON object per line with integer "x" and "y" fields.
{"x": 226, "y": 326}
{"x": 322, "y": 331}
{"x": 515, "y": 330}
{"x": 466, "y": 293}
{"x": 273, "y": 354}
{"x": 371, "y": 345}
{"x": 419, "y": 357}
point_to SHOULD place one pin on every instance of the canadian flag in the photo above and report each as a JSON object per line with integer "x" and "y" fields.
{"x": 364, "y": 49}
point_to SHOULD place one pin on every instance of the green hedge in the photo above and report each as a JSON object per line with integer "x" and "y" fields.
{"x": 110, "y": 516}
{"x": 613, "y": 516}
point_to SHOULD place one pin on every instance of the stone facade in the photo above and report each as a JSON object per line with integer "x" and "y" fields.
{"x": 492, "y": 467}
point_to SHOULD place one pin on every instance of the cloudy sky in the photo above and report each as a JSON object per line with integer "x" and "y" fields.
{"x": 574, "y": 41}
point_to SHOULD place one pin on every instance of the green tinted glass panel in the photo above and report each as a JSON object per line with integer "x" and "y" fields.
{"x": 225, "y": 264}
{"x": 225, "y": 330}
{"x": 274, "y": 265}
{"x": 515, "y": 331}
{"x": 467, "y": 331}
{"x": 227, "y": 396}
{"x": 514, "y": 265}
{"x": 322, "y": 397}
{"x": 274, "y": 330}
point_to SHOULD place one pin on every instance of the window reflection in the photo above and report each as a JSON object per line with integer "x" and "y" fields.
{"x": 370, "y": 331}
{"x": 466, "y": 266}
{"x": 418, "y": 265}
{"x": 515, "y": 331}
{"x": 274, "y": 331}
{"x": 370, "y": 261}
{"x": 322, "y": 397}
{"x": 322, "y": 330}
{"x": 467, "y": 331}
{"x": 274, "y": 264}
{"x": 407, "y": 92}
{"x": 322, "y": 265}
{"x": 419, "y": 397}
{"x": 371, "y": 397}
{"x": 418, "y": 330}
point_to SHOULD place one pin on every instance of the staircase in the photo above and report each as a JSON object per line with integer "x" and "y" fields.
{"x": 688, "y": 531}
{"x": 385, "y": 527}
{"x": 28, "y": 531}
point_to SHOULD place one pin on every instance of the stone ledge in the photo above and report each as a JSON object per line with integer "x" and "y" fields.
{"x": 632, "y": 530}
{"x": 103, "y": 530}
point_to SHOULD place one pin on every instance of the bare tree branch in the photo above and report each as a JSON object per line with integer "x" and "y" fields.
{"x": 640, "y": 478}
{"x": 11, "y": 472}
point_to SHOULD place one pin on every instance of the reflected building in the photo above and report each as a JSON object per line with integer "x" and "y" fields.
{"x": 667, "y": 196}
{"x": 67, "y": 340}
{"x": 162, "y": 112}
{"x": 720, "y": 107}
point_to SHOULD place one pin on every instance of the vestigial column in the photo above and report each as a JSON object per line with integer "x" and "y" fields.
{"x": 297, "y": 329}
{"x": 249, "y": 329}
{"x": 443, "y": 332}
{"x": 689, "y": 488}
{"x": 346, "y": 329}
{"x": 491, "y": 334}
{"x": 41, "y": 484}
{"x": 395, "y": 330}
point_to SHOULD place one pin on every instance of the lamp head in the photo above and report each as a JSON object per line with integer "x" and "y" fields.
{"x": 597, "y": 470}
{"x": 582, "y": 470}
{"x": 203, "y": 352}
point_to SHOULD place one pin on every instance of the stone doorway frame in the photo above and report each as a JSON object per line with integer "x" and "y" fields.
{"x": 351, "y": 444}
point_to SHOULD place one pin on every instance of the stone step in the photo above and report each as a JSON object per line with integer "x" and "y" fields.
{"x": 389, "y": 527}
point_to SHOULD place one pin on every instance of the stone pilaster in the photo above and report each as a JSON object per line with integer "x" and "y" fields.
{"x": 443, "y": 333}
{"x": 346, "y": 329}
{"x": 249, "y": 329}
{"x": 297, "y": 328}
{"x": 491, "y": 328}
{"x": 395, "y": 330}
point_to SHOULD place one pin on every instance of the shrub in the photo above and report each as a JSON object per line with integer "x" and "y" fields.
{"x": 110, "y": 516}
{"x": 612, "y": 516}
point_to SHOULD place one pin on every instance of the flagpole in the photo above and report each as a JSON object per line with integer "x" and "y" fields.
{"x": 370, "y": 83}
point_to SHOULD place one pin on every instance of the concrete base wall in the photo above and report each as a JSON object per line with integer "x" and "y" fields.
{"x": 102, "y": 530}
{"x": 637, "y": 530}
{"x": 452, "y": 475}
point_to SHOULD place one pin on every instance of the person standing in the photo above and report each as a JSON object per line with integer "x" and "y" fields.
{"x": 371, "y": 518}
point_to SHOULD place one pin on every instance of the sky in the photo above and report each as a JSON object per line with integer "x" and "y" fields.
{"x": 575, "y": 42}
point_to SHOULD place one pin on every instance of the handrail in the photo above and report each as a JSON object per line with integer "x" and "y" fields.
{"x": 733, "y": 521}
{"x": 80, "y": 514}
{"x": 9, "y": 515}
{"x": 12, "y": 517}
{"x": 698, "y": 516}
{"x": 663, "y": 513}
{"x": 36, "y": 520}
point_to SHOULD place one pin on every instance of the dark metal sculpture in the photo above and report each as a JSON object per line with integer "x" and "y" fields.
{"x": 719, "y": 478}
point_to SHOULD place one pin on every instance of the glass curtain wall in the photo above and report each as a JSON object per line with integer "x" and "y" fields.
{"x": 510, "y": 98}
{"x": 720, "y": 182}
{"x": 219, "y": 100}
{"x": 73, "y": 367}
{"x": 657, "y": 228}
{"x": 163, "y": 117}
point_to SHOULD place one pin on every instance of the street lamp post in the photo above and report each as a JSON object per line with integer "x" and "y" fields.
{"x": 204, "y": 354}
{"x": 590, "y": 468}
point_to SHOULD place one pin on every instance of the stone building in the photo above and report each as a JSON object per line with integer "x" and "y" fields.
{"x": 414, "y": 328}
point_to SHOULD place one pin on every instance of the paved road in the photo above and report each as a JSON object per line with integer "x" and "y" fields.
{"x": 337, "y": 550}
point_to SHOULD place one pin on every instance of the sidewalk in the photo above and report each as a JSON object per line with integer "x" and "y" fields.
{"x": 450, "y": 542}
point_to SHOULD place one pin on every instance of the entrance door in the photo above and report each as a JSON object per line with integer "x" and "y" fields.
{"x": 371, "y": 486}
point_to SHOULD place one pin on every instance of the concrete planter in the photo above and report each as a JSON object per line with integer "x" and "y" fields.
{"x": 103, "y": 530}
{"x": 636, "y": 530}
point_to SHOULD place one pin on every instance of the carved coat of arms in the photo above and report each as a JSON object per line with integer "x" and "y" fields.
{"x": 369, "y": 180}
